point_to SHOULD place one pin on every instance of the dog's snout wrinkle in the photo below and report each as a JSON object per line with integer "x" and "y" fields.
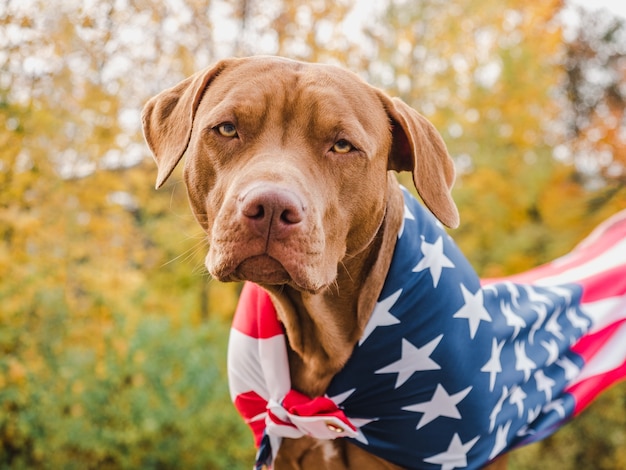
{"x": 271, "y": 213}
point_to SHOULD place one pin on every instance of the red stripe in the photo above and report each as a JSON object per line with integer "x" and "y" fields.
{"x": 249, "y": 405}
{"x": 600, "y": 240}
{"x": 255, "y": 315}
{"x": 586, "y": 391}
{"x": 611, "y": 283}
{"x": 589, "y": 345}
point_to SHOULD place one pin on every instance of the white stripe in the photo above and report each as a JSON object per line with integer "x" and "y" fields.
{"x": 258, "y": 365}
{"x": 612, "y": 258}
{"x": 275, "y": 365}
{"x": 611, "y": 356}
{"x": 601, "y": 230}
{"x": 604, "y": 312}
{"x": 244, "y": 366}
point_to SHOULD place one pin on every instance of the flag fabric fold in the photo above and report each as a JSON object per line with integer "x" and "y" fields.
{"x": 451, "y": 371}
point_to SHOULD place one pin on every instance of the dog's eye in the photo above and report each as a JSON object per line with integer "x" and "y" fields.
{"x": 227, "y": 129}
{"x": 342, "y": 146}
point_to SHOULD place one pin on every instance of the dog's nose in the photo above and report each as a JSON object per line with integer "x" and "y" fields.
{"x": 271, "y": 212}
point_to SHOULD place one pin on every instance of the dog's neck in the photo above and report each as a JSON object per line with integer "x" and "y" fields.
{"x": 323, "y": 328}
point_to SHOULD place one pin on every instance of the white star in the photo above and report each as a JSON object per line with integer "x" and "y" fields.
{"x": 407, "y": 215}
{"x": 473, "y": 310}
{"x": 522, "y": 361}
{"x": 544, "y": 384}
{"x": 358, "y": 423}
{"x": 491, "y": 288}
{"x": 532, "y": 416}
{"x": 552, "y": 325}
{"x": 493, "y": 365}
{"x": 441, "y": 404}
{"x": 381, "y": 315}
{"x": 562, "y": 292}
{"x": 501, "y": 442}
{"x": 542, "y": 313}
{"x": 517, "y": 399}
{"x": 535, "y": 296}
{"x": 577, "y": 321}
{"x": 455, "y": 456}
{"x": 339, "y": 399}
{"x": 433, "y": 259}
{"x": 553, "y": 350}
{"x": 412, "y": 360}
{"x": 571, "y": 369}
{"x": 498, "y": 408}
{"x": 514, "y": 291}
{"x": 555, "y": 406}
{"x": 512, "y": 319}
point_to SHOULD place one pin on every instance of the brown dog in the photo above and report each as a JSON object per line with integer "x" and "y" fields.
{"x": 288, "y": 172}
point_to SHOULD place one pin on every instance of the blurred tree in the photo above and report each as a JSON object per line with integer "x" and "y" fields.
{"x": 490, "y": 77}
{"x": 91, "y": 255}
{"x": 595, "y": 108}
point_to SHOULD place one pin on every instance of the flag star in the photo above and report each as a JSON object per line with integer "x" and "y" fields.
{"x": 553, "y": 351}
{"x": 571, "y": 369}
{"x": 514, "y": 291}
{"x": 512, "y": 319}
{"x": 413, "y": 359}
{"x": 339, "y": 399}
{"x": 542, "y": 312}
{"x": 501, "y": 440}
{"x": 493, "y": 365}
{"x": 407, "y": 215}
{"x": 552, "y": 325}
{"x": 522, "y": 361}
{"x": 433, "y": 260}
{"x": 533, "y": 413}
{"x": 498, "y": 408}
{"x": 358, "y": 423}
{"x": 491, "y": 288}
{"x": 455, "y": 456}
{"x": 381, "y": 315}
{"x": 517, "y": 398}
{"x": 562, "y": 292}
{"x": 441, "y": 404}
{"x": 473, "y": 310}
{"x": 536, "y": 297}
{"x": 544, "y": 384}
{"x": 577, "y": 321}
{"x": 555, "y": 406}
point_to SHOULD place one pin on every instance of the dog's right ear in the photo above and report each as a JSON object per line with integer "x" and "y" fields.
{"x": 168, "y": 118}
{"x": 418, "y": 147}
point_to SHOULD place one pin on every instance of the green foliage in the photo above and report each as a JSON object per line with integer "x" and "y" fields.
{"x": 596, "y": 439}
{"x": 112, "y": 337}
{"x": 154, "y": 396}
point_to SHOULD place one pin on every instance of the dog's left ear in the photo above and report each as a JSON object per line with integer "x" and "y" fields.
{"x": 418, "y": 147}
{"x": 168, "y": 119}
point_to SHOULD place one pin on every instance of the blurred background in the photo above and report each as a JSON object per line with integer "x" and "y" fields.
{"x": 112, "y": 335}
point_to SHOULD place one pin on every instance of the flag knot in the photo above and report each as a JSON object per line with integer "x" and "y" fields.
{"x": 299, "y": 415}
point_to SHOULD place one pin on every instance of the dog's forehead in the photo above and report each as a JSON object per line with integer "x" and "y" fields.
{"x": 263, "y": 83}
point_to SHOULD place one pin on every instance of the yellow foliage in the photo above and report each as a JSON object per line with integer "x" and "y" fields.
{"x": 86, "y": 241}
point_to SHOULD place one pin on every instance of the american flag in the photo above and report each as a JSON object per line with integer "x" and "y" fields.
{"x": 451, "y": 371}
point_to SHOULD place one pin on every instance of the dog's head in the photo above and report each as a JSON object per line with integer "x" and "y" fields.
{"x": 287, "y": 164}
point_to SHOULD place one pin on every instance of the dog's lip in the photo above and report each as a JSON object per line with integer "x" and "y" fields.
{"x": 266, "y": 270}
{"x": 262, "y": 269}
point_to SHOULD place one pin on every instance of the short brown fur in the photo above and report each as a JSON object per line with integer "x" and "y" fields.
{"x": 325, "y": 272}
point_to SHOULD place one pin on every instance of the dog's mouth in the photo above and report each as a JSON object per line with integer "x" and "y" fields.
{"x": 266, "y": 270}
{"x": 261, "y": 269}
